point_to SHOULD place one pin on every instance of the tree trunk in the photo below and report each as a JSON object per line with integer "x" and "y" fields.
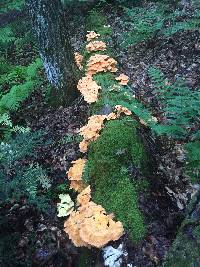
{"x": 185, "y": 251}
{"x": 55, "y": 49}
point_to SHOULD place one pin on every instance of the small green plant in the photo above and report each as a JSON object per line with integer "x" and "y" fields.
{"x": 145, "y": 23}
{"x": 6, "y": 35}
{"x": 7, "y": 128}
{"x": 15, "y": 175}
{"x": 98, "y": 23}
{"x": 71, "y": 138}
{"x": 22, "y": 146}
{"x": 193, "y": 161}
{"x": 7, "y": 5}
{"x": 18, "y": 93}
{"x": 180, "y": 105}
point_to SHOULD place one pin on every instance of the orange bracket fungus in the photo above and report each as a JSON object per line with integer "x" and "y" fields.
{"x": 120, "y": 109}
{"x": 75, "y": 174}
{"x": 90, "y": 132}
{"x": 92, "y": 35}
{"x": 91, "y": 226}
{"x": 83, "y": 146}
{"x": 123, "y": 79}
{"x": 89, "y": 89}
{"x": 101, "y": 63}
{"x": 84, "y": 197}
{"x": 78, "y": 59}
{"x": 96, "y": 46}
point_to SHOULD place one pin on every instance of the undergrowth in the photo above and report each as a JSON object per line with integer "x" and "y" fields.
{"x": 8, "y": 5}
{"x": 180, "y": 104}
{"x": 25, "y": 80}
{"x": 31, "y": 177}
{"x": 180, "y": 108}
{"x": 153, "y": 20}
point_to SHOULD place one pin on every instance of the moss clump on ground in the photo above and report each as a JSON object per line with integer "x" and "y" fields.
{"x": 186, "y": 248}
{"x": 116, "y": 150}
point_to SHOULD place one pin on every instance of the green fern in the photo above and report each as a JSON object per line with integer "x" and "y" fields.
{"x": 180, "y": 104}
{"x": 6, "y": 35}
{"x": 7, "y": 5}
{"x": 144, "y": 23}
{"x": 19, "y": 93}
{"x": 31, "y": 179}
{"x": 23, "y": 145}
{"x": 193, "y": 161}
{"x": 7, "y": 128}
{"x": 185, "y": 25}
{"x": 15, "y": 175}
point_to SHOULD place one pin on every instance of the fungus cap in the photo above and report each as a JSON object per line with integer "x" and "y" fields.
{"x": 78, "y": 186}
{"x": 93, "y": 127}
{"x": 96, "y": 46}
{"x": 101, "y": 63}
{"x": 83, "y": 146}
{"x": 89, "y": 89}
{"x": 84, "y": 197}
{"x": 123, "y": 79}
{"x": 92, "y": 35}
{"x": 78, "y": 59}
{"x": 90, "y": 226}
{"x": 75, "y": 172}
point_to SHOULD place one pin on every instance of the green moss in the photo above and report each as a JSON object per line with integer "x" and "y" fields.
{"x": 98, "y": 23}
{"x": 110, "y": 156}
{"x": 185, "y": 250}
{"x": 109, "y": 89}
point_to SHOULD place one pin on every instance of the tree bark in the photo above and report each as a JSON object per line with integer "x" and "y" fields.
{"x": 185, "y": 251}
{"x": 55, "y": 49}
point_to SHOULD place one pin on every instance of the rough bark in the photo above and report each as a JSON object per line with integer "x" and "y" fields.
{"x": 54, "y": 46}
{"x": 185, "y": 251}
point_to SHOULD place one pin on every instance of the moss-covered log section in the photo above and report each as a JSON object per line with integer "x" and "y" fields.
{"x": 117, "y": 160}
{"x": 185, "y": 251}
{"x": 111, "y": 156}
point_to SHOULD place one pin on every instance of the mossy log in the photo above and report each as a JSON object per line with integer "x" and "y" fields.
{"x": 185, "y": 251}
{"x": 112, "y": 160}
{"x": 118, "y": 161}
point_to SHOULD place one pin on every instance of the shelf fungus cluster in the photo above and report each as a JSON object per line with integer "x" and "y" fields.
{"x": 91, "y": 35}
{"x": 101, "y": 63}
{"x": 123, "y": 79}
{"x": 90, "y": 131}
{"x": 75, "y": 175}
{"x": 89, "y": 89}
{"x": 97, "y": 63}
{"x": 91, "y": 226}
{"x": 96, "y": 46}
{"x": 88, "y": 225}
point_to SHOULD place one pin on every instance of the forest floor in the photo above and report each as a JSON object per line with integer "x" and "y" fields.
{"x": 163, "y": 208}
